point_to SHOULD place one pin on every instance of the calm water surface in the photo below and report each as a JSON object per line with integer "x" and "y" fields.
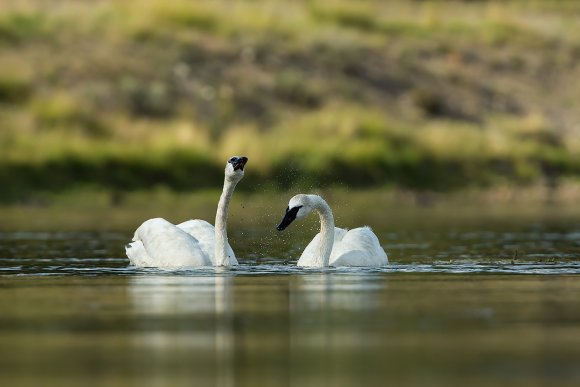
{"x": 462, "y": 304}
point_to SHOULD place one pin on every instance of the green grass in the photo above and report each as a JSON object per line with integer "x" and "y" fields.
{"x": 421, "y": 95}
{"x": 18, "y": 28}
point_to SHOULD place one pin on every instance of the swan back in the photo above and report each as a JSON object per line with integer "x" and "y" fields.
{"x": 358, "y": 247}
{"x": 204, "y": 232}
{"x": 169, "y": 246}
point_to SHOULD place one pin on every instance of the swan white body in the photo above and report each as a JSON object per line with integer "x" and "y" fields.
{"x": 159, "y": 243}
{"x": 334, "y": 246}
{"x": 205, "y": 233}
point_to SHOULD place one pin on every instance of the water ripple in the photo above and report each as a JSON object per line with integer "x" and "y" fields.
{"x": 273, "y": 266}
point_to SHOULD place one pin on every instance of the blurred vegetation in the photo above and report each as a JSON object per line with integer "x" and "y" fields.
{"x": 427, "y": 95}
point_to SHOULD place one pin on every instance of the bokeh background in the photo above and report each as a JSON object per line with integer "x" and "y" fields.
{"x": 125, "y": 96}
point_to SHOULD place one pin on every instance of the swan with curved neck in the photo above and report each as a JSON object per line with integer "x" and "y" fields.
{"x": 159, "y": 243}
{"x": 333, "y": 246}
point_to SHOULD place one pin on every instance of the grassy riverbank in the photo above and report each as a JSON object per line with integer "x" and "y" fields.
{"x": 123, "y": 96}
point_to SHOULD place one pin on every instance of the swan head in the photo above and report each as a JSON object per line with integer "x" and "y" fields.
{"x": 298, "y": 207}
{"x": 235, "y": 168}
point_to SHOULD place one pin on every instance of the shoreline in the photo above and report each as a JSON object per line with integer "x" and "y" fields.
{"x": 93, "y": 210}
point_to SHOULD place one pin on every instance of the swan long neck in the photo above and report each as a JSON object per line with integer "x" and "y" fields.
{"x": 326, "y": 232}
{"x": 221, "y": 224}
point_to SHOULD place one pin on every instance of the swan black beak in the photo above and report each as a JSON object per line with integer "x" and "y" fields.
{"x": 240, "y": 163}
{"x": 288, "y": 218}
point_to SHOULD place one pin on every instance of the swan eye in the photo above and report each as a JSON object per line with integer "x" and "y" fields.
{"x": 294, "y": 211}
{"x": 288, "y": 217}
{"x": 232, "y": 160}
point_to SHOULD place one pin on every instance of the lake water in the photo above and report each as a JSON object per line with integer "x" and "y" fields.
{"x": 464, "y": 302}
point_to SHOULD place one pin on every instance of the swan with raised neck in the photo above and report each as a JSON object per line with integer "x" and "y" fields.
{"x": 159, "y": 243}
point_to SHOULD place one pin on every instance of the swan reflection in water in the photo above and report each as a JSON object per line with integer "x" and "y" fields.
{"x": 336, "y": 291}
{"x": 330, "y": 315}
{"x": 219, "y": 329}
{"x": 186, "y": 327}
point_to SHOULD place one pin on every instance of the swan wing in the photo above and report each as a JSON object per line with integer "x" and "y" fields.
{"x": 168, "y": 246}
{"x": 309, "y": 256}
{"x": 358, "y": 247}
{"x": 204, "y": 232}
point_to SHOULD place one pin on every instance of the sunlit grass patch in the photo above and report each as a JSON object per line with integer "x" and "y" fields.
{"x": 67, "y": 112}
{"x": 355, "y": 14}
{"x": 187, "y": 14}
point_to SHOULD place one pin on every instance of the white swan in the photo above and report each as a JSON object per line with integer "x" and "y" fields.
{"x": 159, "y": 243}
{"x": 333, "y": 246}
